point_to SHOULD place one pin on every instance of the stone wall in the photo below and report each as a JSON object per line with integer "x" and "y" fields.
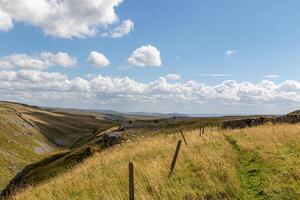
{"x": 251, "y": 122}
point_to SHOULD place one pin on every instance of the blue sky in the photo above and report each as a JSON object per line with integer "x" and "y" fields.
{"x": 261, "y": 39}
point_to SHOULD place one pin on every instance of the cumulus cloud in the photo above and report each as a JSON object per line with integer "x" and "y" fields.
{"x": 145, "y": 56}
{"x": 230, "y": 53}
{"x": 105, "y": 90}
{"x": 98, "y": 59}
{"x": 59, "y": 59}
{"x": 62, "y": 18}
{"x": 23, "y": 61}
{"x": 271, "y": 76}
{"x": 37, "y": 61}
{"x": 124, "y": 29}
{"x": 173, "y": 77}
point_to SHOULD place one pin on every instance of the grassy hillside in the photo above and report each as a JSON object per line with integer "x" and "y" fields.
{"x": 62, "y": 129}
{"x": 20, "y": 144}
{"x": 86, "y": 146}
{"x": 29, "y": 134}
{"x": 252, "y": 163}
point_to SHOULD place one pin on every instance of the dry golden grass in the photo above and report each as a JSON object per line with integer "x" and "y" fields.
{"x": 210, "y": 167}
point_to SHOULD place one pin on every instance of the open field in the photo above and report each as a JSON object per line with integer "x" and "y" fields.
{"x": 252, "y": 163}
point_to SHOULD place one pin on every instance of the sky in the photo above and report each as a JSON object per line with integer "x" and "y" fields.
{"x": 196, "y": 56}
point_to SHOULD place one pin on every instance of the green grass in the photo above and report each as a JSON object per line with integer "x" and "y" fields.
{"x": 250, "y": 171}
{"x": 269, "y": 166}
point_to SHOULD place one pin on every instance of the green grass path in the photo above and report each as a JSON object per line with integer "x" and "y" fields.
{"x": 250, "y": 171}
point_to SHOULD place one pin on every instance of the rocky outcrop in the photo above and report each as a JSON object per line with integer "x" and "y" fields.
{"x": 110, "y": 139}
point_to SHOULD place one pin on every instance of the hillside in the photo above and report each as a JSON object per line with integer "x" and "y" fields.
{"x": 20, "y": 144}
{"x": 49, "y": 141}
{"x": 62, "y": 129}
{"x": 251, "y": 163}
{"x": 296, "y": 112}
{"x": 29, "y": 133}
{"x": 88, "y": 145}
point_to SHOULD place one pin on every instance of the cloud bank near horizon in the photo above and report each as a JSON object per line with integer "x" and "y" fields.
{"x": 52, "y": 87}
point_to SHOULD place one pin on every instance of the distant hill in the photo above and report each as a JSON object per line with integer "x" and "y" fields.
{"x": 159, "y": 115}
{"x": 115, "y": 115}
{"x": 102, "y": 114}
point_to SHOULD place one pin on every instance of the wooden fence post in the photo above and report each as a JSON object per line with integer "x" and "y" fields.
{"x": 203, "y": 130}
{"x": 131, "y": 181}
{"x": 200, "y": 131}
{"x": 183, "y": 137}
{"x": 175, "y": 158}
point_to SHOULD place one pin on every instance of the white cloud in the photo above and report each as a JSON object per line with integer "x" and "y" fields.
{"x": 98, "y": 59}
{"x": 61, "y": 18}
{"x": 173, "y": 77}
{"x": 145, "y": 56}
{"x": 271, "y": 76}
{"x": 6, "y": 22}
{"x": 59, "y": 59}
{"x": 50, "y": 87}
{"x": 124, "y": 29}
{"x": 23, "y": 61}
{"x": 38, "y": 76}
{"x": 37, "y": 61}
{"x": 215, "y": 75}
{"x": 230, "y": 53}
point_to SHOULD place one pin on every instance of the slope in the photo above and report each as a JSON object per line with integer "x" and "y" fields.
{"x": 29, "y": 133}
